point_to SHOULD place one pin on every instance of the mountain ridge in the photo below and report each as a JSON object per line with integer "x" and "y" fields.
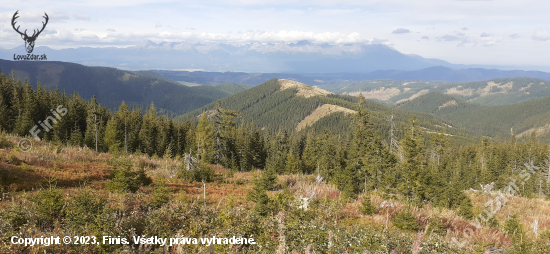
{"x": 113, "y": 86}
{"x": 272, "y": 107}
{"x": 499, "y": 121}
{"x": 301, "y": 57}
{"x": 500, "y": 91}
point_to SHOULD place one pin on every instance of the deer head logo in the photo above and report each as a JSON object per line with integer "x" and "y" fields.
{"x": 29, "y": 40}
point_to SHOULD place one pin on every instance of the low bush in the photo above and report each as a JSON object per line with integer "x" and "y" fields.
{"x": 405, "y": 220}
{"x": 437, "y": 226}
{"x": 84, "y": 207}
{"x": 161, "y": 193}
{"x": 202, "y": 172}
{"x": 367, "y": 208}
{"x": 4, "y": 142}
{"x": 513, "y": 227}
{"x": 125, "y": 179}
{"x": 50, "y": 203}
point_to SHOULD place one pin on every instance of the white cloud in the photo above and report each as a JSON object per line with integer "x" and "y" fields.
{"x": 113, "y": 38}
{"x": 294, "y": 36}
{"x": 541, "y": 35}
{"x": 464, "y": 39}
{"x": 330, "y": 21}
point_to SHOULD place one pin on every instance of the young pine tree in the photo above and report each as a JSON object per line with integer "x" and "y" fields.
{"x": 466, "y": 208}
{"x": 367, "y": 208}
{"x": 149, "y": 133}
{"x": 412, "y": 168}
{"x": 292, "y": 164}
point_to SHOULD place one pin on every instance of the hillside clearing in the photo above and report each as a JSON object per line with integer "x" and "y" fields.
{"x": 381, "y": 94}
{"x": 414, "y": 96}
{"x": 321, "y": 112}
{"x": 303, "y": 89}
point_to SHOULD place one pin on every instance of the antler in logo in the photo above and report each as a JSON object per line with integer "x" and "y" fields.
{"x": 29, "y": 40}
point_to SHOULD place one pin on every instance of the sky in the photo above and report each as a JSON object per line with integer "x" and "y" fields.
{"x": 488, "y": 32}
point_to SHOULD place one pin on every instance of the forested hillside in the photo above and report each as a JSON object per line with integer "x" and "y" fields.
{"x": 501, "y": 121}
{"x": 114, "y": 86}
{"x": 270, "y": 106}
{"x": 324, "y": 190}
{"x": 499, "y": 91}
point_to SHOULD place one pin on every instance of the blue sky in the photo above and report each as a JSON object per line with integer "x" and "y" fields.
{"x": 502, "y": 32}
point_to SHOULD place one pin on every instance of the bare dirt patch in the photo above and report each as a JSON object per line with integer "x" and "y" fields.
{"x": 462, "y": 92}
{"x": 321, "y": 112}
{"x": 492, "y": 86}
{"x": 538, "y": 131}
{"x": 381, "y": 94}
{"x": 414, "y": 96}
{"x": 447, "y": 104}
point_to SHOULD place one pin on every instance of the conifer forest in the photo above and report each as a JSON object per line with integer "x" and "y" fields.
{"x": 365, "y": 179}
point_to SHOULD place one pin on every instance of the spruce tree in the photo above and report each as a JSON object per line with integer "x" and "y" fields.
{"x": 292, "y": 164}
{"x": 76, "y": 138}
{"x": 513, "y": 227}
{"x": 224, "y": 127}
{"x": 161, "y": 193}
{"x": 367, "y": 208}
{"x": 258, "y": 152}
{"x": 133, "y": 127}
{"x": 205, "y": 140}
{"x": 268, "y": 180}
{"x": 4, "y": 114}
{"x": 24, "y": 121}
{"x": 262, "y": 206}
{"x": 309, "y": 160}
{"x": 148, "y": 134}
{"x": 466, "y": 208}
{"x": 112, "y": 136}
{"x": 412, "y": 168}
{"x": 243, "y": 149}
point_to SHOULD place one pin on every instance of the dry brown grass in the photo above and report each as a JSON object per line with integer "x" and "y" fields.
{"x": 306, "y": 186}
{"x": 528, "y": 210}
{"x": 72, "y": 165}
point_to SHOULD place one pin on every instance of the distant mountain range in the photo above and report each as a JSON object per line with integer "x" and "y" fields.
{"x": 301, "y": 57}
{"x": 331, "y": 81}
{"x": 520, "y": 119}
{"x": 499, "y": 91}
